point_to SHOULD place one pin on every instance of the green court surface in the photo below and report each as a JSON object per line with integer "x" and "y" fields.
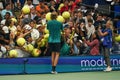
{"x": 114, "y": 75}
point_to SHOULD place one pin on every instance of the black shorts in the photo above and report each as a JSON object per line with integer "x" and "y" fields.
{"x": 54, "y": 47}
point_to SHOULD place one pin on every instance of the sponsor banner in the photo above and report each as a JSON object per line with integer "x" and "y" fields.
{"x": 72, "y": 64}
{"x": 98, "y": 63}
{"x": 66, "y": 64}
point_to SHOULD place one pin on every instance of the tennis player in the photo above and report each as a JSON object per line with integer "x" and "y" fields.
{"x": 54, "y": 42}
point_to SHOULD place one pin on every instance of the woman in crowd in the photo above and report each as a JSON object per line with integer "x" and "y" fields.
{"x": 93, "y": 44}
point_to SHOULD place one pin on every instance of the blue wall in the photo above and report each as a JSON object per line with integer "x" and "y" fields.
{"x": 11, "y": 66}
{"x": 66, "y": 64}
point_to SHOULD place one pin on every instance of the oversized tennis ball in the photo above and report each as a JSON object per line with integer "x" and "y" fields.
{"x": 48, "y": 16}
{"x": 117, "y": 38}
{"x": 21, "y": 41}
{"x": 13, "y": 54}
{"x": 46, "y": 36}
{"x": 46, "y": 31}
{"x": 26, "y": 9}
{"x": 60, "y": 19}
{"x": 42, "y": 42}
{"x": 36, "y": 52}
{"x": 66, "y": 14}
{"x": 29, "y": 47}
{"x": 14, "y": 20}
{"x": 60, "y": 6}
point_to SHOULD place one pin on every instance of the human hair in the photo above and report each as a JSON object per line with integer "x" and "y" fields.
{"x": 7, "y": 4}
{"x": 97, "y": 36}
{"x": 111, "y": 25}
{"x": 8, "y": 22}
{"x": 90, "y": 20}
{"x": 8, "y": 13}
{"x": 53, "y": 15}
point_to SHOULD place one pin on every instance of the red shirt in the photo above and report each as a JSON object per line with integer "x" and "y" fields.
{"x": 94, "y": 46}
{"x": 64, "y": 8}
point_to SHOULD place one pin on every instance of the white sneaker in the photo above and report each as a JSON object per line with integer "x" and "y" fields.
{"x": 53, "y": 72}
{"x": 108, "y": 69}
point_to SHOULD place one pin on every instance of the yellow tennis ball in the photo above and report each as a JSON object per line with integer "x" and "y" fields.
{"x": 29, "y": 47}
{"x": 21, "y": 41}
{"x": 66, "y": 14}
{"x": 14, "y": 20}
{"x": 46, "y": 31}
{"x": 36, "y": 52}
{"x": 26, "y": 9}
{"x": 48, "y": 16}
{"x": 46, "y": 36}
{"x": 117, "y": 38}
{"x": 60, "y": 19}
{"x": 13, "y": 54}
{"x": 42, "y": 43}
{"x": 60, "y": 6}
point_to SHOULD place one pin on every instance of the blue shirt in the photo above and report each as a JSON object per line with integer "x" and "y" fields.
{"x": 108, "y": 37}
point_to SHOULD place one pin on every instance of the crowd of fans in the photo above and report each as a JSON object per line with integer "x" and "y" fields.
{"x": 81, "y": 30}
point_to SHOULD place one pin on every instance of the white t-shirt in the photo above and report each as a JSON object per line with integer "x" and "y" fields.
{"x": 90, "y": 30}
{"x": 3, "y": 22}
{"x": 5, "y": 29}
